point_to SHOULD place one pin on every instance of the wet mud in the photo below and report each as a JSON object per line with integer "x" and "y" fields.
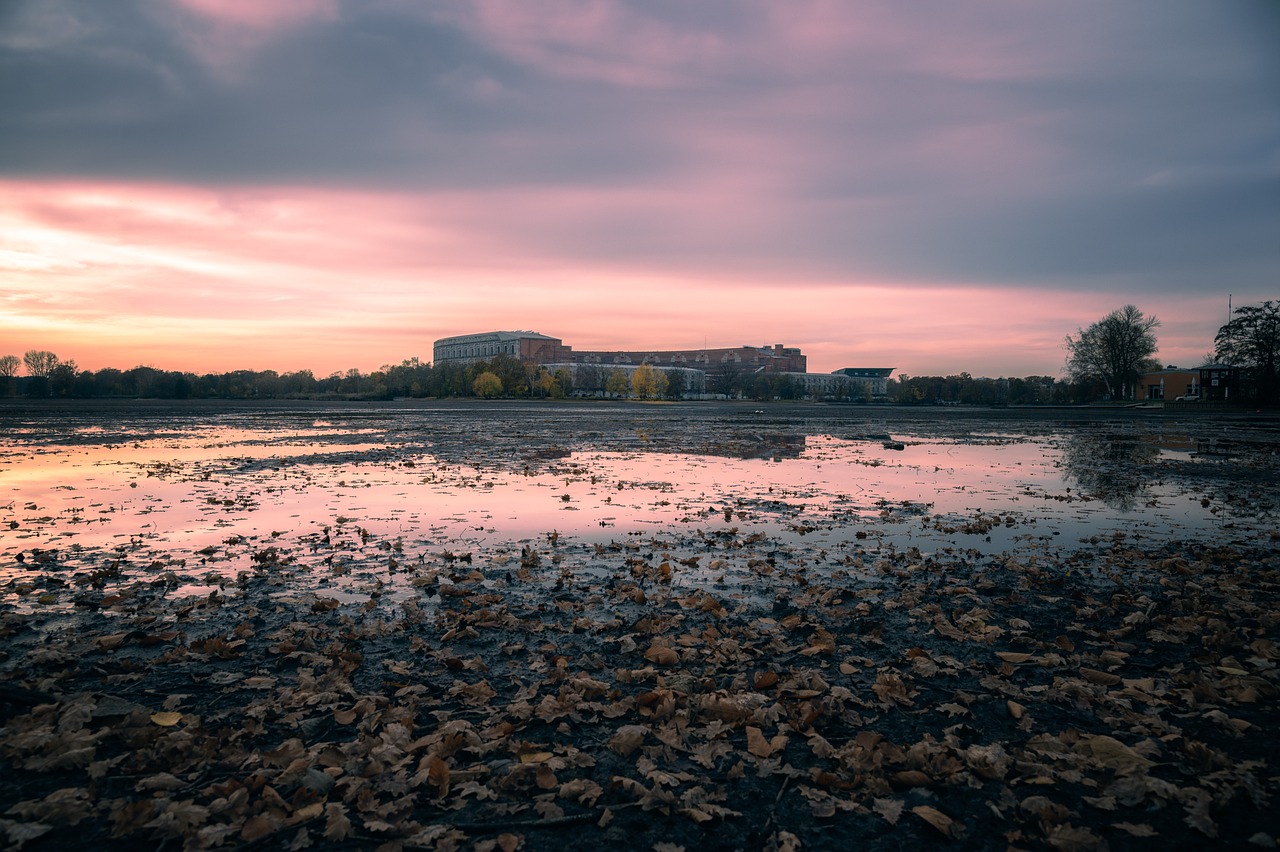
{"x": 471, "y": 626}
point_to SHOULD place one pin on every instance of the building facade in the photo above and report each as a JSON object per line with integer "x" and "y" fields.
{"x": 698, "y": 371}
{"x": 540, "y": 349}
{"x": 524, "y": 345}
{"x": 874, "y": 380}
{"x": 1171, "y": 384}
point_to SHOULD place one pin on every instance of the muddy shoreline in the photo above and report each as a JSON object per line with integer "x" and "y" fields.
{"x": 734, "y": 692}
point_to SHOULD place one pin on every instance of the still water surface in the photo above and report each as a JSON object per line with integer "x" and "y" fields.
{"x": 197, "y": 499}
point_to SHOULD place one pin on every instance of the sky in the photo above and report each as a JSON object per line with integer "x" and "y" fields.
{"x": 212, "y": 185}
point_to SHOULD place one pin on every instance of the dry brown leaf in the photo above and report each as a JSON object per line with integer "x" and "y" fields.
{"x": 936, "y": 818}
{"x": 662, "y": 655}
{"x": 765, "y": 679}
{"x": 890, "y": 809}
{"x": 627, "y": 739}
{"x": 112, "y": 641}
{"x": 1114, "y": 754}
{"x": 1099, "y": 677}
{"x": 337, "y": 826}
{"x": 1073, "y": 838}
{"x": 256, "y": 828}
{"x": 1013, "y": 656}
{"x": 1135, "y": 829}
{"x": 437, "y": 774}
{"x": 166, "y": 719}
{"x": 759, "y": 746}
{"x": 546, "y": 778}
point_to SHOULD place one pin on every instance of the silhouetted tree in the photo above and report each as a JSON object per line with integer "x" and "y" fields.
{"x": 9, "y": 365}
{"x": 1115, "y": 349}
{"x": 1251, "y": 340}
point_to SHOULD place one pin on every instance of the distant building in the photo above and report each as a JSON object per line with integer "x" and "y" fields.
{"x": 874, "y": 380}
{"x": 699, "y": 371}
{"x": 540, "y": 349}
{"x": 1219, "y": 383}
{"x": 525, "y": 345}
{"x": 1171, "y": 383}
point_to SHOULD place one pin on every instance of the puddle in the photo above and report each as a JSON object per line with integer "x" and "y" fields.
{"x": 369, "y": 502}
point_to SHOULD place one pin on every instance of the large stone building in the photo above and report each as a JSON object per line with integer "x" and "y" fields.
{"x": 541, "y": 349}
{"x": 874, "y": 380}
{"x": 695, "y": 366}
{"x": 525, "y": 345}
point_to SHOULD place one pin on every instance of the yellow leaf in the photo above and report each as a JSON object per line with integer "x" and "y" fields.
{"x": 166, "y": 720}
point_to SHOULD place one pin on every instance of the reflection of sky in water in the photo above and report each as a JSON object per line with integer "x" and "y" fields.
{"x": 186, "y": 497}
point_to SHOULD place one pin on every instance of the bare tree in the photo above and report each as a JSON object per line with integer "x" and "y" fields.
{"x": 9, "y": 365}
{"x": 40, "y": 363}
{"x": 1114, "y": 350}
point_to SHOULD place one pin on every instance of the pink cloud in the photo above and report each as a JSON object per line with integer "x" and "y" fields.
{"x": 262, "y": 14}
{"x": 288, "y": 278}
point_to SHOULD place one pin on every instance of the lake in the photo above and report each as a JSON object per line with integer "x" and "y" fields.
{"x": 357, "y": 498}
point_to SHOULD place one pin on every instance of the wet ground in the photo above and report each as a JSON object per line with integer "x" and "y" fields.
{"x": 487, "y": 625}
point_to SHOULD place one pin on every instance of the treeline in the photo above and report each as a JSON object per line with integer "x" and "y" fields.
{"x": 964, "y": 389}
{"x": 502, "y": 376}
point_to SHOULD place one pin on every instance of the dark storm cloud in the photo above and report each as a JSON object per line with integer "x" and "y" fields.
{"x": 994, "y": 143}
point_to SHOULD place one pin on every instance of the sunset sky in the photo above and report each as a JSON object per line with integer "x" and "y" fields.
{"x": 935, "y": 186}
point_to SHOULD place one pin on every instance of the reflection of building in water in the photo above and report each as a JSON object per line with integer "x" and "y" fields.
{"x": 776, "y": 447}
{"x": 695, "y": 365}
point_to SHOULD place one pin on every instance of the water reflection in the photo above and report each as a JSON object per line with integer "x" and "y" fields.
{"x": 1117, "y": 469}
{"x": 205, "y": 499}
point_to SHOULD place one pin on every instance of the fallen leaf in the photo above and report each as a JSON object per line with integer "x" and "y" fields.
{"x": 1114, "y": 754}
{"x": 662, "y": 655}
{"x": 890, "y": 809}
{"x": 1013, "y": 656}
{"x": 166, "y": 719}
{"x": 627, "y": 739}
{"x": 936, "y": 818}
{"x": 1137, "y": 830}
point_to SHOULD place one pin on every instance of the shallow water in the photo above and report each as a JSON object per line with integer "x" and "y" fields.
{"x": 373, "y": 499}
